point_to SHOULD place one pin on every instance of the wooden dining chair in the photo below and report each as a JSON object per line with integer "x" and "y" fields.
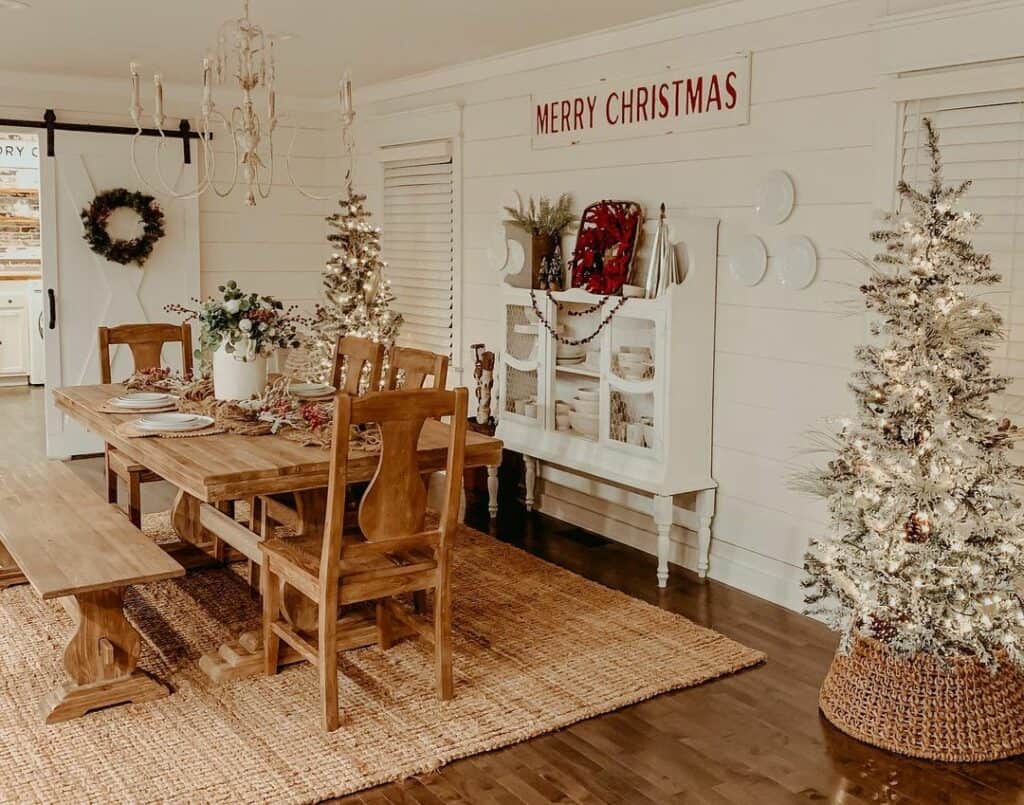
{"x": 351, "y": 355}
{"x": 391, "y": 551}
{"x": 416, "y": 366}
{"x": 146, "y": 342}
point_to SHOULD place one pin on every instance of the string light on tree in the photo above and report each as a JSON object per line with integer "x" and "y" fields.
{"x": 357, "y": 295}
{"x": 926, "y": 525}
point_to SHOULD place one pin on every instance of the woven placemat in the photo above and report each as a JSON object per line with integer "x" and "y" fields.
{"x": 130, "y": 431}
{"x": 109, "y": 408}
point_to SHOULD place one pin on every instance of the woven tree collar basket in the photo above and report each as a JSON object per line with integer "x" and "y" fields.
{"x": 918, "y": 707}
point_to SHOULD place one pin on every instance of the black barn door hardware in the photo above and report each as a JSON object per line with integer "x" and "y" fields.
{"x": 49, "y": 122}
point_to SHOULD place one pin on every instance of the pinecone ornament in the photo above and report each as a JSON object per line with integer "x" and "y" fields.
{"x": 917, "y": 529}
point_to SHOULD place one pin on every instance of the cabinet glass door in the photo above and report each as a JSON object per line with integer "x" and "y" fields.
{"x": 523, "y": 392}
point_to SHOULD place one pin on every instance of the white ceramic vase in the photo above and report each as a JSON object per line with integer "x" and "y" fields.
{"x": 238, "y": 375}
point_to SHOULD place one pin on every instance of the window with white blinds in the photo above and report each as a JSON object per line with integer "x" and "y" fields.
{"x": 981, "y": 137}
{"x": 418, "y": 242}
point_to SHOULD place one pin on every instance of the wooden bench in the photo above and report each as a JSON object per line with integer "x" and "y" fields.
{"x": 73, "y": 546}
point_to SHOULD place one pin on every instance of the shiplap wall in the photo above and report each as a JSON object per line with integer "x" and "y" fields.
{"x": 782, "y": 357}
{"x": 279, "y": 246}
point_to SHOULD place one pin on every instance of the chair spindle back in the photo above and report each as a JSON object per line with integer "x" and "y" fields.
{"x": 350, "y": 356}
{"x": 416, "y": 365}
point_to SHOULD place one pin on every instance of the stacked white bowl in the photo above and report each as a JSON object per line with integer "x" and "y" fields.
{"x": 635, "y": 363}
{"x": 585, "y": 414}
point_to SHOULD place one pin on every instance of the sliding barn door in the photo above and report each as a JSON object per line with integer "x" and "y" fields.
{"x": 84, "y": 290}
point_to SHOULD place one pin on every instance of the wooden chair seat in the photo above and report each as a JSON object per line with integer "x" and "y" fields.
{"x": 304, "y": 554}
{"x": 72, "y": 546}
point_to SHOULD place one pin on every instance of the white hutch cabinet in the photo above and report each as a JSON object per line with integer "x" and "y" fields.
{"x": 633, "y": 406}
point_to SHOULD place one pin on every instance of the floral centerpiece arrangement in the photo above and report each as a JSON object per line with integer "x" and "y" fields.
{"x": 240, "y": 330}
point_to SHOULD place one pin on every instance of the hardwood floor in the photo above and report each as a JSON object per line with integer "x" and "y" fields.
{"x": 754, "y": 737}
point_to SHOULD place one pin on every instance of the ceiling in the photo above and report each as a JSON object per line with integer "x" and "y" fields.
{"x": 380, "y": 39}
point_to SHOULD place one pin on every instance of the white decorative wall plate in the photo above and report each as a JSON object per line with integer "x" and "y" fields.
{"x": 748, "y": 261}
{"x": 798, "y": 263}
{"x": 773, "y": 201}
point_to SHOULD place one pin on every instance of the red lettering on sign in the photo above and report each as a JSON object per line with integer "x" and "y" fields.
{"x": 641, "y": 103}
{"x": 695, "y": 95}
{"x": 666, "y": 99}
{"x": 714, "y": 94}
{"x": 730, "y": 89}
{"x": 677, "y": 84}
{"x": 577, "y": 112}
{"x": 543, "y": 119}
{"x": 608, "y": 108}
{"x": 627, "y": 105}
{"x": 663, "y": 100}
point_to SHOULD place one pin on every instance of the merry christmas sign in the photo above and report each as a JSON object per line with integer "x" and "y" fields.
{"x": 680, "y": 99}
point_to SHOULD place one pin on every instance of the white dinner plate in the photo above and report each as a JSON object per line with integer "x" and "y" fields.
{"x": 142, "y": 399}
{"x": 173, "y": 422}
{"x": 311, "y": 389}
{"x": 773, "y": 201}
{"x": 798, "y": 263}
{"x": 748, "y": 261}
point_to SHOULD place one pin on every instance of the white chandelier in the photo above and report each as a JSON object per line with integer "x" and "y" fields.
{"x": 245, "y": 49}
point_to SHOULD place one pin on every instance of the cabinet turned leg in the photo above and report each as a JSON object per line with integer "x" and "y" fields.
{"x": 705, "y": 514}
{"x": 100, "y": 659}
{"x": 531, "y": 480}
{"x": 492, "y": 491}
{"x": 663, "y": 520}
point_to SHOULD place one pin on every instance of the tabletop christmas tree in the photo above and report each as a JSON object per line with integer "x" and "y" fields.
{"x": 926, "y": 538}
{"x": 357, "y": 295}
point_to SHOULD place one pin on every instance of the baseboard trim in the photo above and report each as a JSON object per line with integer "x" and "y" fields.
{"x": 738, "y": 567}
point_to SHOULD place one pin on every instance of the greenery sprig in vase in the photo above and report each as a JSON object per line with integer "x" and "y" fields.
{"x": 544, "y": 221}
{"x": 246, "y": 324}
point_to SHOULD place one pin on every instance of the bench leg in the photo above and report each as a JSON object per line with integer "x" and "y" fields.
{"x": 100, "y": 659}
{"x": 10, "y": 573}
{"x": 135, "y": 499}
{"x": 111, "y": 476}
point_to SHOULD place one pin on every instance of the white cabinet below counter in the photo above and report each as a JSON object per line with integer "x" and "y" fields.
{"x": 14, "y": 346}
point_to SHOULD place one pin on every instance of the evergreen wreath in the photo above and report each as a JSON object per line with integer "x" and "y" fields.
{"x": 137, "y": 250}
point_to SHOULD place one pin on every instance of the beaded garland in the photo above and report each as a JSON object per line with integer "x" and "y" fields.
{"x": 575, "y": 342}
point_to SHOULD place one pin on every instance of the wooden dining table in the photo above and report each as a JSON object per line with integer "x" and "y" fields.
{"x": 212, "y": 472}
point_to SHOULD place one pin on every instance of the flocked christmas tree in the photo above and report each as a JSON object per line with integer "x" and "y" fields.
{"x": 926, "y": 530}
{"x": 357, "y": 295}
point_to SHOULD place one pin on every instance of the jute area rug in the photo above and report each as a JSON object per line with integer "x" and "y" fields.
{"x": 536, "y": 648}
